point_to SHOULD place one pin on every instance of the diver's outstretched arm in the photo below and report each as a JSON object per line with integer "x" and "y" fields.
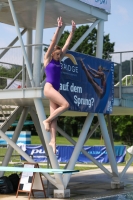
{"x": 69, "y": 39}
{"x": 54, "y": 39}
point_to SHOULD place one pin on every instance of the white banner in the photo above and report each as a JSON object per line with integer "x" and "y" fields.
{"x": 104, "y": 4}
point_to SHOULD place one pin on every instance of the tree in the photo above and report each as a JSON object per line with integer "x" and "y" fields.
{"x": 88, "y": 46}
{"x": 8, "y": 73}
{"x": 123, "y": 126}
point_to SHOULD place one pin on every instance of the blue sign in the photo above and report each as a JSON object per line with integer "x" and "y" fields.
{"x": 63, "y": 153}
{"x": 87, "y": 83}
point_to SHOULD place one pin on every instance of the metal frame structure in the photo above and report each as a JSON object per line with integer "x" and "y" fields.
{"x": 32, "y": 100}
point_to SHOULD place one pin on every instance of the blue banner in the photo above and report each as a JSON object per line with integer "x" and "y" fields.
{"x": 63, "y": 153}
{"x": 87, "y": 83}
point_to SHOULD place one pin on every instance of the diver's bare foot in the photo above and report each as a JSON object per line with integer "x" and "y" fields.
{"x": 53, "y": 145}
{"x": 46, "y": 125}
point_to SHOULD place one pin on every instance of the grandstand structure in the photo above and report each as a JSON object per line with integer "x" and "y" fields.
{"x": 39, "y": 15}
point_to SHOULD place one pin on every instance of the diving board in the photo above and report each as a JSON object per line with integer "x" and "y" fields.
{"x": 39, "y": 170}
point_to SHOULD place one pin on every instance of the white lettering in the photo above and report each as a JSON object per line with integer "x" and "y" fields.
{"x": 75, "y": 89}
{"x": 82, "y": 101}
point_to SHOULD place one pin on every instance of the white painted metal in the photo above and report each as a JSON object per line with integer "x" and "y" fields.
{"x": 120, "y": 77}
{"x": 92, "y": 131}
{"x": 14, "y": 138}
{"x": 84, "y": 152}
{"x": 38, "y": 39}
{"x": 46, "y": 135}
{"x": 5, "y": 125}
{"x": 84, "y": 35}
{"x": 81, "y": 14}
{"x": 89, "y": 10}
{"x": 126, "y": 167}
{"x": 108, "y": 145}
{"x": 11, "y": 44}
{"x": 110, "y": 132}
{"x": 15, "y": 146}
{"x": 131, "y": 73}
{"x": 38, "y": 128}
{"x": 71, "y": 9}
{"x": 100, "y": 33}
{"x": 29, "y": 55}
{"x": 78, "y": 146}
{"x": 21, "y": 41}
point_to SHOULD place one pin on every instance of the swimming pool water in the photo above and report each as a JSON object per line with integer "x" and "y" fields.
{"x": 128, "y": 196}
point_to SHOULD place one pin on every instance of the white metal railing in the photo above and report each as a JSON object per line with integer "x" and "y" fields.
{"x": 13, "y": 57}
{"x": 118, "y": 58}
{"x": 126, "y": 81}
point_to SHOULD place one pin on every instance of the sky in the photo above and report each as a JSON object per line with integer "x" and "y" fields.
{"x": 119, "y": 26}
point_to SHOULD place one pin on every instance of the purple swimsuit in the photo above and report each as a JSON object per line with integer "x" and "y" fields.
{"x": 53, "y": 71}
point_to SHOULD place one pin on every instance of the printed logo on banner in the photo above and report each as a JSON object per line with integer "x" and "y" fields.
{"x": 104, "y": 4}
{"x": 87, "y": 83}
{"x": 64, "y": 153}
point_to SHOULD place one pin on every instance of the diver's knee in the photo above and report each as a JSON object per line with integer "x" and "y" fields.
{"x": 66, "y": 105}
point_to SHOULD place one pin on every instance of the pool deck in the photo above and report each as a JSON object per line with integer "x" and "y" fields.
{"x": 87, "y": 185}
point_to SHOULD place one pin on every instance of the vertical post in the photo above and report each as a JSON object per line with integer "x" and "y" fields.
{"x": 46, "y": 135}
{"x": 15, "y": 138}
{"x": 79, "y": 146}
{"x": 100, "y": 33}
{"x": 21, "y": 41}
{"x": 110, "y": 132}
{"x": 38, "y": 40}
{"x": 131, "y": 71}
{"x": 23, "y": 74}
{"x": 110, "y": 152}
{"x": 29, "y": 55}
{"x": 120, "y": 77}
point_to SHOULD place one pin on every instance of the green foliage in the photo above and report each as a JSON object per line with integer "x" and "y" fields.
{"x": 88, "y": 46}
{"x": 124, "y": 126}
{"x": 8, "y": 73}
{"x": 71, "y": 125}
{"x": 64, "y": 141}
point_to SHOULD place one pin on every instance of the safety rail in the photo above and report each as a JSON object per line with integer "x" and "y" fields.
{"x": 126, "y": 81}
{"x": 14, "y": 58}
{"x": 119, "y": 58}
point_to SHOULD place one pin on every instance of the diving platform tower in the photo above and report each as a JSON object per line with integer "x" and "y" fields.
{"x": 39, "y": 15}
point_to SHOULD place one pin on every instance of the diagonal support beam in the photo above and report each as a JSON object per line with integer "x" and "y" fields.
{"x": 108, "y": 145}
{"x": 14, "y": 138}
{"x": 22, "y": 153}
{"x": 21, "y": 42}
{"x": 41, "y": 115}
{"x": 126, "y": 167}
{"x": 83, "y": 151}
{"x": 78, "y": 146}
{"x": 11, "y": 44}
{"x": 84, "y": 35}
{"x": 11, "y": 119}
{"x": 38, "y": 128}
{"x": 92, "y": 131}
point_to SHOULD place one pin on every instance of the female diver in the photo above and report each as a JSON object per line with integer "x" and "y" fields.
{"x": 58, "y": 103}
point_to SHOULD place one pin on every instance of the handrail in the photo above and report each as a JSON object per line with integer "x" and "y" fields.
{"x": 125, "y": 77}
